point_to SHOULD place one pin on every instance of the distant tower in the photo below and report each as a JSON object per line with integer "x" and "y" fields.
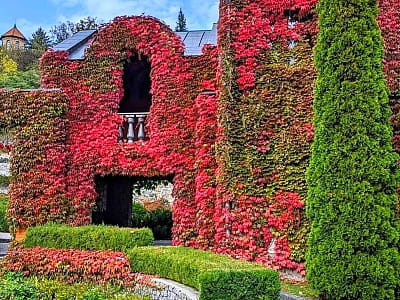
{"x": 13, "y": 39}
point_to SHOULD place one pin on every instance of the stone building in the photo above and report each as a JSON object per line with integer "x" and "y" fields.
{"x": 13, "y": 39}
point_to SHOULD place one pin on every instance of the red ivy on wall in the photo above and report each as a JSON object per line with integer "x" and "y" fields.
{"x": 89, "y": 145}
{"x": 265, "y": 124}
{"x": 238, "y": 157}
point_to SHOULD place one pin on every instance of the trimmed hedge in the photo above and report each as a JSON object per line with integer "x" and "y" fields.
{"x": 91, "y": 237}
{"x": 3, "y": 212}
{"x": 215, "y": 276}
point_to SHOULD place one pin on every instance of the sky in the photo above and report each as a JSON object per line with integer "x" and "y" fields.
{"x": 29, "y": 15}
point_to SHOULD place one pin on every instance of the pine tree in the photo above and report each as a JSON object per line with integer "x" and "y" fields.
{"x": 40, "y": 41}
{"x": 353, "y": 175}
{"x": 181, "y": 24}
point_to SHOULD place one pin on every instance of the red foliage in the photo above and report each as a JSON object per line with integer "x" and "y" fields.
{"x": 6, "y": 148}
{"x": 389, "y": 22}
{"x": 242, "y": 206}
{"x": 71, "y": 265}
{"x": 250, "y": 219}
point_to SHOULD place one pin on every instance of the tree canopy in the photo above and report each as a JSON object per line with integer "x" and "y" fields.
{"x": 63, "y": 31}
{"x": 40, "y": 41}
{"x": 181, "y": 23}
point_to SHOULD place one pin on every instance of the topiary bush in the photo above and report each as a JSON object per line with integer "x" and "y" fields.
{"x": 353, "y": 174}
{"x": 3, "y": 212}
{"x": 215, "y": 276}
{"x": 90, "y": 237}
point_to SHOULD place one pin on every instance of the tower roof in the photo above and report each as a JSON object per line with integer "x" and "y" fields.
{"x": 14, "y": 32}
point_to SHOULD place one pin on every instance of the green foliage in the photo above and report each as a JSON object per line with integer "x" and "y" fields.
{"x": 181, "y": 24}
{"x": 7, "y": 64}
{"x": 4, "y": 180}
{"x": 57, "y": 290}
{"x": 140, "y": 215}
{"x": 160, "y": 223}
{"x": 63, "y": 31}
{"x": 215, "y": 276}
{"x": 14, "y": 286}
{"x": 301, "y": 289}
{"x": 26, "y": 59}
{"x": 158, "y": 220}
{"x": 40, "y": 41}
{"x": 88, "y": 237}
{"x": 3, "y": 211}
{"x": 353, "y": 175}
{"x": 22, "y": 79}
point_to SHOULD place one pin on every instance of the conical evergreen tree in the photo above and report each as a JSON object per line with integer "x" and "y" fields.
{"x": 181, "y": 24}
{"x": 353, "y": 175}
{"x": 40, "y": 41}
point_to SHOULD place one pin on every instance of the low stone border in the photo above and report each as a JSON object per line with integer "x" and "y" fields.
{"x": 172, "y": 290}
{"x": 168, "y": 290}
{"x": 287, "y": 296}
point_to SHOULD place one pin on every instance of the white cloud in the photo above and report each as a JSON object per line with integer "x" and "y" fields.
{"x": 66, "y": 3}
{"x": 200, "y": 14}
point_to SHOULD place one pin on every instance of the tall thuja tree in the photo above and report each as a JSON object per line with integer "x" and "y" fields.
{"x": 353, "y": 175}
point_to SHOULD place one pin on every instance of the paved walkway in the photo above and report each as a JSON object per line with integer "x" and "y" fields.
{"x": 162, "y": 243}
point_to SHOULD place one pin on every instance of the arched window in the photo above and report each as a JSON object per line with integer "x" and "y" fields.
{"x": 17, "y": 45}
{"x": 137, "y": 84}
{"x": 8, "y": 45}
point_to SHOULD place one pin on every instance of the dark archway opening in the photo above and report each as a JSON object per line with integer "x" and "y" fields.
{"x": 114, "y": 201}
{"x": 137, "y": 85}
{"x": 129, "y": 201}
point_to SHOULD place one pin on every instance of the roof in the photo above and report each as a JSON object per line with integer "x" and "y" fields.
{"x": 14, "y": 32}
{"x": 192, "y": 40}
{"x": 76, "y": 44}
{"x": 195, "y": 40}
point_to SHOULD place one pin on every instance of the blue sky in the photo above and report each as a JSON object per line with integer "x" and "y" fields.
{"x": 32, "y": 14}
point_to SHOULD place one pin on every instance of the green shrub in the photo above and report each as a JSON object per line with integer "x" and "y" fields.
{"x": 3, "y": 213}
{"x": 140, "y": 216}
{"x": 160, "y": 223}
{"x": 90, "y": 237}
{"x": 14, "y": 286}
{"x": 57, "y": 290}
{"x": 215, "y": 276}
{"x": 4, "y": 180}
{"x": 352, "y": 201}
{"x": 158, "y": 220}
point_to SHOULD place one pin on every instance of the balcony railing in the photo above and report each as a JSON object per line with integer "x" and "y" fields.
{"x": 132, "y": 127}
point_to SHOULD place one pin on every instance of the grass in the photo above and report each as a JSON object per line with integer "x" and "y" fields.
{"x": 301, "y": 289}
{"x": 17, "y": 286}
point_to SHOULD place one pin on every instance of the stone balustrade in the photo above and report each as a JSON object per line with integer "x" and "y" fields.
{"x": 132, "y": 127}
